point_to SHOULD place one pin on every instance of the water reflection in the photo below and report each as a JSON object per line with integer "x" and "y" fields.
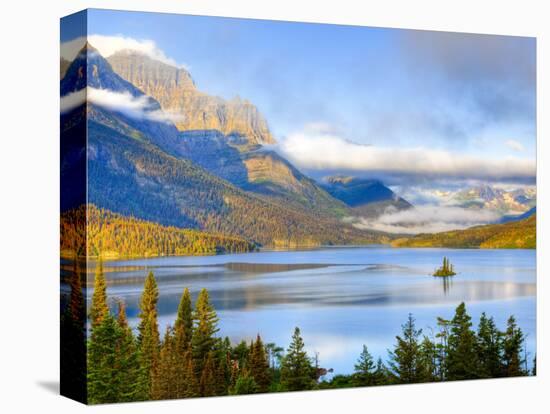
{"x": 340, "y": 298}
{"x": 447, "y": 283}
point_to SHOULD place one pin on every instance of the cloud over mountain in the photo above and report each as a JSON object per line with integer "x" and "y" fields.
{"x": 109, "y": 45}
{"x": 427, "y": 219}
{"x": 140, "y": 107}
{"x": 324, "y": 150}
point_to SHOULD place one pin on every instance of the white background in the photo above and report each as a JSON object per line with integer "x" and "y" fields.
{"x": 29, "y": 194}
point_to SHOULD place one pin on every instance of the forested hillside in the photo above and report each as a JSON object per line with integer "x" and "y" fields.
{"x": 113, "y": 235}
{"x": 135, "y": 168}
{"x": 514, "y": 235}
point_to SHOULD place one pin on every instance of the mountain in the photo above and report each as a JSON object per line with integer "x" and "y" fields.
{"x": 496, "y": 199}
{"x": 513, "y": 235}
{"x": 527, "y": 214}
{"x": 368, "y": 198}
{"x": 134, "y": 168}
{"x": 227, "y": 138}
{"x": 176, "y": 92}
{"x": 63, "y": 66}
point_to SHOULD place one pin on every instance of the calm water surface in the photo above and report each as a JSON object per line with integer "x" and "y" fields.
{"x": 341, "y": 298}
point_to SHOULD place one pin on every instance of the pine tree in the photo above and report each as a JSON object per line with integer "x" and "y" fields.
{"x": 73, "y": 340}
{"x": 148, "y": 304}
{"x": 364, "y": 369}
{"x": 259, "y": 366}
{"x": 463, "y": 361}
{"x": 183, "y": 327}
{"x": 164, "y": 384}
{"x": 223, "y": 374}
{"x": 182, "y": 342}
{"x": 206, "y": 326}
{"x": 380, "y": 374}
{"x": 131, "y": 386}
{"x": 442, "y": 347}
{"x": 513, "y": 343}
{"x": 208, "y": 377}
{"x": 489, "y": 348}
{"x": 405, "y": 359}
{"x": 148, "y": 338}
{"x": 104, "y": 380}
{"x": 428, "y": 361}
{"x": 192, "y": 386}
{"x": 240, "y": 353}
{"x": 296, "y": 370}
{"x": 99, "y": 309}
{"x": 244, "y": 384}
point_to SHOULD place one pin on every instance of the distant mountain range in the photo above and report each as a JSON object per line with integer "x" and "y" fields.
{"x": 148, "y": 169}
{"x": 367, "y": 198}
{"x": 208, "y": 164}
{"x": 497, "y": 199}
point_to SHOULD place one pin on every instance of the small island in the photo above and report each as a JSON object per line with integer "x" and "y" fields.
{"x": 446, "y": 270}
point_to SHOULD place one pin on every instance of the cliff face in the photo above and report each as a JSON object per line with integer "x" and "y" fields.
{"x": 177, "y": 93}
{"x": 223, "y": 137}
{"x": 132, "y": 170}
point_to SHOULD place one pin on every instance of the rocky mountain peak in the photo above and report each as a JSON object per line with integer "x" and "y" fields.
{"x": 177, "y": 93}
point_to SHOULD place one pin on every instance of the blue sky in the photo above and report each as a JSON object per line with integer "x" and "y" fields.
{"x": 453, "y": 91}
{"x": 466, "y": 98}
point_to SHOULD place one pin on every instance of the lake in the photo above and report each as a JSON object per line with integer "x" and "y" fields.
{"x": 340, "y": 297}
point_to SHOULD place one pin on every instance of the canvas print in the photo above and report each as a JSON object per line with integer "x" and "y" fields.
{"x": 253, "y": 206}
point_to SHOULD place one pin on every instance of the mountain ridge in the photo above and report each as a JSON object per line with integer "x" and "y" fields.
{"x": 130, "y": 173}
{"x": 367, "y": 198}
{"x": 231, "y": 143}
{"x": 176, "y": 91}
{"x": 513, "y": 235}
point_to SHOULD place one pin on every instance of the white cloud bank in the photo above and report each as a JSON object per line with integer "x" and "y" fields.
{"x": 329, "y": 151}
{"x": 426, "y": 219}
{"x": 137, "y": 107}
{"x": 109, "y": 45}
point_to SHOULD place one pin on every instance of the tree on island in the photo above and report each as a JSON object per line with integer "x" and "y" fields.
{"x": 447, "y": 269}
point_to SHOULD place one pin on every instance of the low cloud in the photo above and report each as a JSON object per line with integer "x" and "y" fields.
{"x": 137, "y": 107}
{"x": 72, "y": 100}
{"x": 326, "y": 151}
{"x": 109, "y": 45}
{"x": 515, "y": 145}
{"x": 426, "y": 219}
